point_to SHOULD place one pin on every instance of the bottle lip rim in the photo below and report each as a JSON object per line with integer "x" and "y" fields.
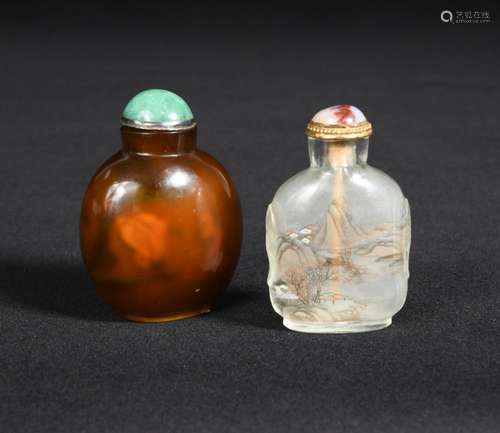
{"x": 159, "y": 126}
{"x": 338, "y": 132}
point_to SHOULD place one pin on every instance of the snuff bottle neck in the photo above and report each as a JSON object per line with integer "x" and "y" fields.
{"x": 337, "y": 154}
{"x": 158, "y": 142}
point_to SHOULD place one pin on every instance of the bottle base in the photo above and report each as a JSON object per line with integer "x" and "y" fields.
{"x": 168, "y": 318}
{"x": 337, "y": 327}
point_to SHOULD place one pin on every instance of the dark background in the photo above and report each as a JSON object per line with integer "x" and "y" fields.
{"x": 253, "y": 75}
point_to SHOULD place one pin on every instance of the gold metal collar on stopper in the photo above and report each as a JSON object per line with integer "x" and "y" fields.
{"x": 338, "y": 132}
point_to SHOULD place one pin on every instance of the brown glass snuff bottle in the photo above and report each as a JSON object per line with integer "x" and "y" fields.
{"x": 160, "y": 226}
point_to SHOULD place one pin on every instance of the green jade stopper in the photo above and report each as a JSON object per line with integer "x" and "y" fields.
{"x": 158, "y": 109}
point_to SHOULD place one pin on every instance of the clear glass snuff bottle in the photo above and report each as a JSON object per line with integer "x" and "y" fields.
{"x": 338, "y": 234}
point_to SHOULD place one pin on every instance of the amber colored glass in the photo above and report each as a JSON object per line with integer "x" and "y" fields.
{"x": 161, "y": 227}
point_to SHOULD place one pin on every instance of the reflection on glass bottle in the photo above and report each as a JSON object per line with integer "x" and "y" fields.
{"x": 338, "y": 234}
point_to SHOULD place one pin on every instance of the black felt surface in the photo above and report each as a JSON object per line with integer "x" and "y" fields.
{"x": 253, "y": 76}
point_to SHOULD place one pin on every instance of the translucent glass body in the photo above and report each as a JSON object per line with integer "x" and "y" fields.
{"x": 338, "y": 238}
{"x": 161, "y": 227}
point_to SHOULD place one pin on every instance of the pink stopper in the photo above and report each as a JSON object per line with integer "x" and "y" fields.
{"x": 345, "y": 115}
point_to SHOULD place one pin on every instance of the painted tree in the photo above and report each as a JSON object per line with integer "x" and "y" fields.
{"x": 296, "y": 280}
{"x": 317, "y": 277}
